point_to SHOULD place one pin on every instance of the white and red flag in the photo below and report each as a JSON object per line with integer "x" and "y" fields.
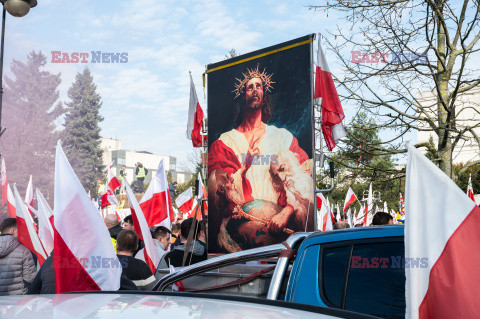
{"x": 470, "y": 189}
{"x": 12, "y": 211}
{"x": 350, "y": 198}
{"x": 202, "y": 191}
{"x": 84, "y": 258}
{"x": 45, "y": 222}
{"x": 184, "y": 201}
{"x": 329, "y": 219}
{"x": 143, "y": 231}
{"x": 441, "y": 230}
{"x": 109, "y": 198}
{"x": 4, "y": 183}
{"x": 195, "y": 117}
{"x": 155, "y": 203}
{"x": 368, "y": 208}
{"x": 29, "y": 192}
{"x": 332, "y": 111}
{"x": 27, "y": 235}
{"x": 401, "y": 206}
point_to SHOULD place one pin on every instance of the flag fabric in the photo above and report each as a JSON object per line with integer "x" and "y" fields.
{"x": 46, "y": 208}
{"x": 441, "y": 229}
{"x": 45, "y": 230}
{"x": 27, "y": 235}
{"x": 184, "y": 201}
{"x": 368, "y": 207}
{"x": 332, "y": 111}
{"x": 143, "y": 231}
{"x": 470, "y": 189}
{"x": 349, "y": 218}
{"x": 29, "y": 192}
{"x": 4, "y": 183}
{"x": 329, "y": 218}
{"x": 202, "y": 191}
{"x": 84, "y": 258}
{"x": 178, "y": 285}
{"x": 385, "y": 207}
{"x": 350, "y": 198}
{"x": 155, "y": 203}
{"x": 195, "y": 117}
{"x": 108, "y": 197}
{"x": 319, "y": 201}
{"x": 12, "y": 210}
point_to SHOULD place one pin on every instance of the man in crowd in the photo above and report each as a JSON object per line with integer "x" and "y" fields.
{"x": 173, "y": 189}
{"x": 197, "y": 251}
{"x": 341, "y": 225}
{"x": 134, "y": 269}
{"x": 381, "y": 218}
{"x": 113, "y": 225}
{"x": 128, "y": 222}
{"x": 17, "y": 268}
{"x": 140, "y": 173}
{"x": 176, "y": 233}
{"x": 161, "y": 240}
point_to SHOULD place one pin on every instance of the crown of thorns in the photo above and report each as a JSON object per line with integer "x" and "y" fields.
{"x": 251, "y": 74}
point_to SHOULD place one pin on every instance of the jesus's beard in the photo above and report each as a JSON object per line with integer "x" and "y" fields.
{"x": 254, "y": 104}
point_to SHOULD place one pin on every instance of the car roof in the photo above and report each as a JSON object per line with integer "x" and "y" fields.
{"x": 157, "y": 305}
{"x": 355, "y": 233}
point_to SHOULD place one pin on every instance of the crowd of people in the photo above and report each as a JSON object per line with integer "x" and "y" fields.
{"x": 19, "y": 274}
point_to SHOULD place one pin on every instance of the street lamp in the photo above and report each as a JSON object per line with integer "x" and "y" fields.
{"x": 17, "y": 8}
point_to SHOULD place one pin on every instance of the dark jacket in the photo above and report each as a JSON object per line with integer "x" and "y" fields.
{"x": 44, "y": 282}
{"x": 137, "y": 271}
{"x": 175, "y": 256}
{"x": 17, "y": 269}
{"x": 114, "y": 231}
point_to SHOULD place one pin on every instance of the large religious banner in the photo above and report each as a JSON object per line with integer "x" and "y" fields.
{"x": 260, "y": 147}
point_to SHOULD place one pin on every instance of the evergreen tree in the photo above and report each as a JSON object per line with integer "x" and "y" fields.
{"x": 30, "y": 113}
{"x": 81, "y": 138}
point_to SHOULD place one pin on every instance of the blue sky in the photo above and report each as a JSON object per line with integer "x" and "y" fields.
{"x": 145, "y": 101}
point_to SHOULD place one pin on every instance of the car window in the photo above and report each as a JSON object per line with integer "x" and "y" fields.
{"x": 334, "y": 269}
{"x": 376, "y": 280}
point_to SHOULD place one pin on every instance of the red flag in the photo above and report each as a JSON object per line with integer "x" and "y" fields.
{"x": 141, "y": 228}
{"x": 4, "y": 183}
{"x": 155, "y": 203}
{"x": 195, "y": 117}
{"x": 319, "y": 201}
{"x": 109, "y": 198}
{"x": 350, "y": 198}
{"x": 441, "y": 244}
{"x": 26, "y": 232}
{"x": 332, "y": 111}
{"x": 12, "y": 211}
{"x": 84, "y": 258}
{"x": 470, "y": 189}
{"x": 184, "y": 201}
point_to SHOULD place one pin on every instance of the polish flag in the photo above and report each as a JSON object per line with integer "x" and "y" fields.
{"x": 80, "y": 246}
{"x": 385, "y": 207}
{"x": 332, "y": 112}
{"x": 109, "y": 198}
{"x": 350, "y": 198}
{"x": 178, "y": 285}
{"x": 171, "y": 213}
{"x": 4, "y": 183}
{"x": 143, "y": 231}
{"x": 45, "y": 207}
{"x": 329, "y": 218}
{"x": 195, "y": 117}
{"x": 29, "y": 192}
{"x": 27, "y": 235}
{"x": 46, "y": 238}
{"x": 203, "y": 191}
{"x": 441, "y": 228}
{"x": 368, "y": 208}
{"x": 349, "y": 218}
{"x": 184, "y": 201}
{"x": 12, "y": 211}
{"x": 470, "y": 189}
{"x": 155, "y": 203}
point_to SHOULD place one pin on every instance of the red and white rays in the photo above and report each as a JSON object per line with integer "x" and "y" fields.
{"x": 441, "y": 228}
{"x": 143, "y": 231}
{"x": 84, "y": 258}
{"x": 155, "y": 204}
